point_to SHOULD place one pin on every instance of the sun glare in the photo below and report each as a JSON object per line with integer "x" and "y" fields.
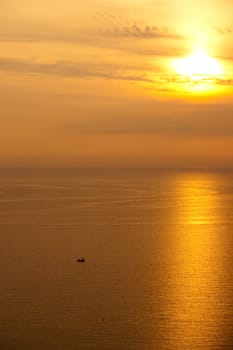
{"x": 198, "y": 73}
{"x": 198, "y": 64}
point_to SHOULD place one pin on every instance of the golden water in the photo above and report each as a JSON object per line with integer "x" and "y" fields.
{"x": 159, "y": 257}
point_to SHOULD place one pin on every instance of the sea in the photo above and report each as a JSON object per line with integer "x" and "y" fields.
{"x": 158, "y": 250}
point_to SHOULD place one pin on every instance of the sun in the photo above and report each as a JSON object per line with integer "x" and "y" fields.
{"x": 198, "y": 73}
{"x": 196, "y": 76}
{"x": 197, "y": 65}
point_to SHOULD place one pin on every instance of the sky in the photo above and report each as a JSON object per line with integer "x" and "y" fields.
{"x": 113, "y": 83}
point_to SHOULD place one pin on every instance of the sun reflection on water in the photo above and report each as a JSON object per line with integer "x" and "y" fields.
{"x": 193, "y": 307}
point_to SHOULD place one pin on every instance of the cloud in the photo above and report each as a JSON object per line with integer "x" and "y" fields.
{"x": 105, "y": 41}
{"x": 223, "y": 30}
{"x": 72, "y": 69}
{"x": 115, "y": 25}
{"x": 224, "y": 80}
{"x": 127, "y": 72}
{"x": 141, "y": 32}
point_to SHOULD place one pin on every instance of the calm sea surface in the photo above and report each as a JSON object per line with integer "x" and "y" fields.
{"x": 159, "y": 260}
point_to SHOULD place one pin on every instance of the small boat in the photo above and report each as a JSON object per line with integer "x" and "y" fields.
{"x": 81, "y": 260}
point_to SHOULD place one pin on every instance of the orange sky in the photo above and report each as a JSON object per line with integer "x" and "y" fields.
{"x": 93, "y": 83}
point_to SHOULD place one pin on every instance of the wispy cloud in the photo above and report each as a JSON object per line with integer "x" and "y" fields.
{"x": 116, "y": 25}
{"x": 223, "y": 30}
{"x": 141, "y": 32}
{"x": 72, "y": 69}
{"x": 194, "y": 80}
